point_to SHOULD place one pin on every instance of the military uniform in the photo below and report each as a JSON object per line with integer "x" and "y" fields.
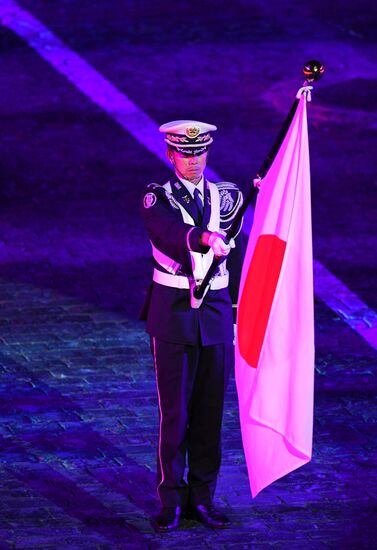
{"x": 192, "y": 346}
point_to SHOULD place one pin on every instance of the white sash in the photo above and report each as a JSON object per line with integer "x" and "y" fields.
{"x": 201, "y": 262}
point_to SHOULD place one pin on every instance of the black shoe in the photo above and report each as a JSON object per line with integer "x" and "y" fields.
{"x": 168, "y": 519}
{"x": 208, "y": 515}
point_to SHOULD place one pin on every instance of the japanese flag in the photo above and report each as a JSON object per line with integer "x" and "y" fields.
{"x": 275, "y": 327}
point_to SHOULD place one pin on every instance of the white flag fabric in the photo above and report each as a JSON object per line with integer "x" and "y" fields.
{"x": 275, "y": 326}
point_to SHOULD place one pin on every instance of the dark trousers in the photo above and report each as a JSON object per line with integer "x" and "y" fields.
{"x": 191, "y": 383}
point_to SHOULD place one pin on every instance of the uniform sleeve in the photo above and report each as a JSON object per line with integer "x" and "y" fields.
{"x": 165, "y": 226}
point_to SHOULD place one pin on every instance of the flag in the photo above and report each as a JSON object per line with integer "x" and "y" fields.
{"x": 275, "y": 326}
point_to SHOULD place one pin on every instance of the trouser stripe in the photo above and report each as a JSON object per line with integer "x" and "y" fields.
{"x": 161, "y": 418}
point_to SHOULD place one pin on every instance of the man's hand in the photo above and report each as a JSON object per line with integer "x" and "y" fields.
{"x": 215, "y": 240}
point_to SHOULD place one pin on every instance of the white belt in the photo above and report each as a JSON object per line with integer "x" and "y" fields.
{"x": 180, "y": 281}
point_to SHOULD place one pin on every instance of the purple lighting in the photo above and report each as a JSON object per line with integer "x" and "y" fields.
{"x": 85, "y": 86}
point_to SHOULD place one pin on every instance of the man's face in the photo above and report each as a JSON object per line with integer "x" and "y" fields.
{"x": 190, "y": 167}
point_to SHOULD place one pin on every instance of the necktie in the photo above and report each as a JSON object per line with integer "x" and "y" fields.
{"x": 198, "y": 201}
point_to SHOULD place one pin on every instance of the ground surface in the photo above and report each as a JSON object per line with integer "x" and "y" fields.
{"x": 78, "y": 406}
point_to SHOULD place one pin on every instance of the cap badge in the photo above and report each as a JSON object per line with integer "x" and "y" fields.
{"x": 192, "y": 132}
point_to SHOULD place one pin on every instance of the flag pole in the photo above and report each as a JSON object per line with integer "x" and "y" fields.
{"x": 313, "y": 71}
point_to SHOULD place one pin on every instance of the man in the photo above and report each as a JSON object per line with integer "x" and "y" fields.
{"x": 192, "y": 343}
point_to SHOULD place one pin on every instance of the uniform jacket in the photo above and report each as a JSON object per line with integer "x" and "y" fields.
{"x": 167, "y": 310}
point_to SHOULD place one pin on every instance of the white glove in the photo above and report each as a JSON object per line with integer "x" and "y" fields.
{"x": 257, "y": 182}
{"x": 305, "y": 90}
{"x": 218, "y": 245}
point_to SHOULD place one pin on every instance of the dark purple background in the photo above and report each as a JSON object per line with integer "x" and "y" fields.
{"x": 79, "y": 410}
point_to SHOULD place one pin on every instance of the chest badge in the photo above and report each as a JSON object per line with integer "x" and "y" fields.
{"x": 226, "y": 201}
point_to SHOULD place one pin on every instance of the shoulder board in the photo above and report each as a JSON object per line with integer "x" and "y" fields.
{"x": 155, "y": 191}
{"x": 152, "y": 186}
